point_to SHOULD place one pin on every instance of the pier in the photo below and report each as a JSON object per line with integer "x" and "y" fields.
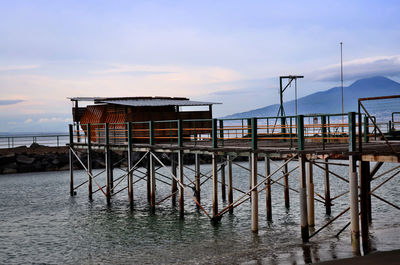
{"x": 311, "y": 141}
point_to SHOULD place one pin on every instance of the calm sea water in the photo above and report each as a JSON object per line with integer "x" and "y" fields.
{"x": 41, "y": 223}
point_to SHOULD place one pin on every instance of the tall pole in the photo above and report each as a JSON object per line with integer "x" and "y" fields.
{"x": 341, "y": 75}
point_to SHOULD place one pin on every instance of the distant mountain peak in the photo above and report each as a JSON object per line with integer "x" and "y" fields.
{"x": 328, "y": 101}
{"x": 374, "y": 81}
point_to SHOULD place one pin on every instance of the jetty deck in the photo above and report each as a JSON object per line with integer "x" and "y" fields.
{"x": 309, "y": 140}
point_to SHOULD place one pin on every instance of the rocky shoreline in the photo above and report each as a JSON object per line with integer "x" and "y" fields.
{"x": 39, "y": 158}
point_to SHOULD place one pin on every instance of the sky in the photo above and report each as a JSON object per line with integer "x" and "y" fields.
{"x": 231, "y": 52}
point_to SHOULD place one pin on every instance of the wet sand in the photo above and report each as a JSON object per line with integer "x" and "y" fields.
{"x": 377, "y": 258}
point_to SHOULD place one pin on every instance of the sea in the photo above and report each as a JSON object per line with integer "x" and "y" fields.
{"x": 40, "y": 223}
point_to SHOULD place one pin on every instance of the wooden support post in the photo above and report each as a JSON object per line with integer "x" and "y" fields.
{"x": 223, "y": 189}
{"x": 89, "y": 161}
{"x": 130, "y": 175}
{"x": 254, "y": 193}
{"x": 303, "y": 199}
{"x": 268, "y": 189}
{"x": 364, "y": 171}
{"x": 286, "y": 186}
{"x": 310, "y": 197}
{"x": 197, "y": 176}
{"x": 152, "y": 184}
{"x": 327, "y": 188}
{"x": 214, "y": 184}
{"x": 174, "y": 186}
{"x": 181, "y": 191}
{"x": 354, "y": 221}
{"x": 71, "y": 161}
{"x": 108, "y": 162}
{"x": 230, "y": 186}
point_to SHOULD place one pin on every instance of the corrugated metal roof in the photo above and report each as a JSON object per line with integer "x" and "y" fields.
{"x": 156, "y": 102}
{"x": 145, "y": 101}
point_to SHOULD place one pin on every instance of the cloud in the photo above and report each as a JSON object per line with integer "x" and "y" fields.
{"x": 133, "y": 70}
{"x": 54, "y": 119}
{"x": 18, "y": 67}
{"x": 28, "y": 120}
{"x": 359, "y": 68}
{"x": 10, "y": 101}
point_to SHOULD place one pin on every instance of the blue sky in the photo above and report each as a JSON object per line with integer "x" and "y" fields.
{"x": 226, "y": 51}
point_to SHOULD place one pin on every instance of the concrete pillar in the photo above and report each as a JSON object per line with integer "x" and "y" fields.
{"x": 355, "y": 227}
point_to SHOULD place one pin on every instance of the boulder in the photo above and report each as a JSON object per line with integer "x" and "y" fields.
{"x": 9, "y": 171}
{"x": 35, "y": 145}
{"x": 23, "y": 159}
{"x": 6, "y": 159}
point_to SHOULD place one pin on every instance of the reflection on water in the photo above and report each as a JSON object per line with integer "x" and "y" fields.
{"x": 41, "y": 223}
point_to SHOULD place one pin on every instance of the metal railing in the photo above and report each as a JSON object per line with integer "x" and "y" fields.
{"x": 296, "y": 131}
{"x": 55, "y": 140}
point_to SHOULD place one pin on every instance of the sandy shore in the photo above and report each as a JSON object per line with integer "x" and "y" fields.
{"x": 377, "y": 258}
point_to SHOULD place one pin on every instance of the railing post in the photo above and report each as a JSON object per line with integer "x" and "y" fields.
{"x": 248, "y": 127}
{"x": 180, "y": 133}
{"x": 254, "y": 141}
{"x": 300, "y": 132}
{"x": 71, "y": 135}
{"x": 214, "y": 133}
{"x": 323, "y": 130}
{"x": 352, "y": 131}
{"x": 221, "y": 131}
{"x": 366, "y": 129}
{"x": 58, "y": 141}
{"x": 151, "y": 132}
{"x": 283, "y": 128}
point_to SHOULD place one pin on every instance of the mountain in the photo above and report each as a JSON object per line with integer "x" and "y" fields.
{"x": 329, "y": 101}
